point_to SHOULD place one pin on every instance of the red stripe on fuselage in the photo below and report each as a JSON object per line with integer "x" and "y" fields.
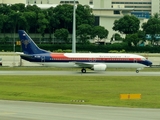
{"x": 58, "y": 55}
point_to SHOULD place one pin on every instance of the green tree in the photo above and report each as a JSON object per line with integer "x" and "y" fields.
{"x": 84, "y": 32}
{"x": 64, "y": 15}
{"x": 30, "y": 20}
{"x": 116, "y": 37}
{"x": 152, "y": 27}
{"x": 18, "y": 7}
{"x": 33, "y": 8}
{"x": 16, "y": 18}
{"x": 132, "y": 38}
{"x": 99, "y": 31}
{"x": 127, "y": 25}
{"x": 1, "y": 22}
{"x": 21, "y": 22}
{"x": 5, "y": 10}
{"x": 42, "y": 24}
{"x": 62, "y": 34}
{"x": 53, "y": 21}
{"x": 33, "y": 19}
{"x": 141, "y": 35}
{"x": 84, "y": 15}
{"x": 13, "y": 21}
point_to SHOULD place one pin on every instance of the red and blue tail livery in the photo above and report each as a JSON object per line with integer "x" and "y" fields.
{"x": 93, "y": 61}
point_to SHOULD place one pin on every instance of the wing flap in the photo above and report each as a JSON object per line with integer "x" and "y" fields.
{"x": 85, "y": 65}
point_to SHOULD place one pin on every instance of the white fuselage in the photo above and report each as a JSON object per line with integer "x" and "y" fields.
{"x": 111, "y": 60}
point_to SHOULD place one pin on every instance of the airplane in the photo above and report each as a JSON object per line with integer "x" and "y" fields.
{"x": 93, "y": 61}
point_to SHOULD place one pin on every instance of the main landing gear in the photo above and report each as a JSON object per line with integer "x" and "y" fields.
{"x": 137, "y": 71}
{"x": 83, "y": 70}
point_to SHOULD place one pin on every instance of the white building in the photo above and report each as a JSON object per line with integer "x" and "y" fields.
{"x": 155, "y": 7}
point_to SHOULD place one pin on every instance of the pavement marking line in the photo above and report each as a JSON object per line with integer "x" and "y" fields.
{"x": 7, "y": 113}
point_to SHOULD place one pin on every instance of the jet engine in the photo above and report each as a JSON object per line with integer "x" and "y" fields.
{"x": 99, "y": 67}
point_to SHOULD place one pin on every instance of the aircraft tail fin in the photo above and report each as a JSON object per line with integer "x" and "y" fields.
{"x": 28, "y": 45}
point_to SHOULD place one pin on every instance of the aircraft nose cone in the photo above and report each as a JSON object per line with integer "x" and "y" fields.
{"x": 149, "y": 63}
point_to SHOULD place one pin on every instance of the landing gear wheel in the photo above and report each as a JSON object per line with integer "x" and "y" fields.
{"x": 137, "y": 71}
{"x": 83, "y": 70}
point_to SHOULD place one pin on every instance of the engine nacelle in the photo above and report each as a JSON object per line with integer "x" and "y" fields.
{"x": 99, "y": 67}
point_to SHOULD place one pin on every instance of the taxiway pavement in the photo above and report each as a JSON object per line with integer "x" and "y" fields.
{"x": 19, "y": 110}
{"x": 75, "y": 73}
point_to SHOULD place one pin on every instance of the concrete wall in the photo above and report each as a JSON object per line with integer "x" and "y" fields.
{"x": 108, "y": 24}
{"x": 102, "y": 4}
{"x": 14, "y": 60}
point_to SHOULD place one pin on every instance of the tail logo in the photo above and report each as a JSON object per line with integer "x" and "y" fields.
{"x": 26, "y": 42}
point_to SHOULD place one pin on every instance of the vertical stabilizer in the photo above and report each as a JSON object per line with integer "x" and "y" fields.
{"x": 28, "y": 45}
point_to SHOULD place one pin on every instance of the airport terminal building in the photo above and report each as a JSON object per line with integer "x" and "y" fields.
{"x": 106, "y": 11}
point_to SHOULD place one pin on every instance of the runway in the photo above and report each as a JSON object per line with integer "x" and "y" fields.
{"x": 19, "y": 110}
{"x": 75, "y": 73}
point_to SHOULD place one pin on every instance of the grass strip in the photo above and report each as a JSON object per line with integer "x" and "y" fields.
{"x": 93, "y": 90}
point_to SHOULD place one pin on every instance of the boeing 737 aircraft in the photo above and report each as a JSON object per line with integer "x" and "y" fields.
{"x": 93, "y": 61}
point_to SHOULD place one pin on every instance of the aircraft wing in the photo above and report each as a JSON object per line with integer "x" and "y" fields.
{"x": 92, "y": 66}
{"x": 85, "y": 65}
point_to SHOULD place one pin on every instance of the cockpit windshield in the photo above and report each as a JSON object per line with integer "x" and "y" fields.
{"x": 143, "y": 59}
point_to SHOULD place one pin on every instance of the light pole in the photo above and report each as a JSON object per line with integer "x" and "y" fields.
{"x": 74, "y": 29}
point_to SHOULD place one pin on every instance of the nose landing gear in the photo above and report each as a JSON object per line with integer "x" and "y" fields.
{"x": 137, "y": 71}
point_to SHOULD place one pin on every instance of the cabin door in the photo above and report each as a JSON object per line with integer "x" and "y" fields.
{"x": 42, "y": 58}
{"x": 135, "y": 60}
